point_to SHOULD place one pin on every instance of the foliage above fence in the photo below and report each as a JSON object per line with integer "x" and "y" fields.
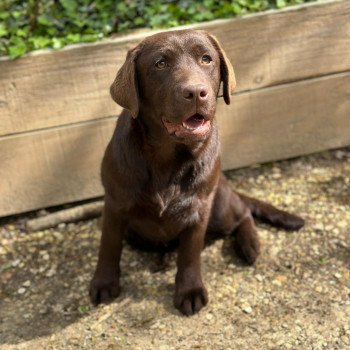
{"x": 35, "y": 24}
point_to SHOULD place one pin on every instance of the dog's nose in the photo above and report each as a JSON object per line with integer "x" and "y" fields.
{"x": 193, "y": 92}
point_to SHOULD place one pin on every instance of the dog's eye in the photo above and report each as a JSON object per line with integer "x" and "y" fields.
{"x": 161, "y": 64}
{"x": 206, "y": 59}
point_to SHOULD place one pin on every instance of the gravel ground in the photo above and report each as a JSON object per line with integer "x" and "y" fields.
{"x": 296, "y": 297}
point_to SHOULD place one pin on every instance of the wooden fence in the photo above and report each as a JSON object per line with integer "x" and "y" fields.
{"x": 292, "y": 98}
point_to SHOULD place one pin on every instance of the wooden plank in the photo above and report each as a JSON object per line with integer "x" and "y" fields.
{"x": 44, "y": 90}
{"x": 286, "y": 121}
{"x": 60, "y": 165}
{"x": 51, "y": 167}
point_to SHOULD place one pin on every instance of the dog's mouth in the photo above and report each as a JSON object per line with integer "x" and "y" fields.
{"x": 196, "y": 125}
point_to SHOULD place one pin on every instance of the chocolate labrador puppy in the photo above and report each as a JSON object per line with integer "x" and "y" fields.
{"x": 161, "y": 170}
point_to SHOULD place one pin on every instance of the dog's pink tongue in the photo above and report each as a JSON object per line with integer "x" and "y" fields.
{"x": 193, "y": 122}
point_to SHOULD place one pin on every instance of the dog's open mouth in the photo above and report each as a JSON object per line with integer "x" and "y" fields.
{"x": 195, "y": 125}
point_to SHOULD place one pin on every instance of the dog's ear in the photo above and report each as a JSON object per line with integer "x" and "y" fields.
{"x": 226, "y": 70}
{"x": 124, "y": 89}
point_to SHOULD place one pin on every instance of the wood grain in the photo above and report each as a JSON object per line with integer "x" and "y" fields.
{"x": 69, "y": 86}
{"x": 61, "y": 165}
{"x": 286, "y": 121}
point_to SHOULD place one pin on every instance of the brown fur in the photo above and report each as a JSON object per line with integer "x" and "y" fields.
{"x": 165, "y": 189}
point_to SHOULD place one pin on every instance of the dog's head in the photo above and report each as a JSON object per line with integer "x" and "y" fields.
{"x": 174, "y": 78}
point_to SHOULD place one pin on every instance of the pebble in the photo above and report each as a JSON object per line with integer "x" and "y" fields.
{"x": 44, "y": 254}
{"x": 277, "y": 282}
{"x": 338, "y": 275}
{"x": 276, "y": 176}
{"x": 50, "y": 273}
{"x": 21, "y": 290}
{"x": 58, "y": 235}
{"x": 345, "y": 339}
{"x": 318, "y": 227}
{"x": 43, "y": 310}
{"x": 343, "y": 224}
{"x": 15, "y": 262}
{"x": 209, "y": 317}
{"x": 155, "y": 325}
{"x": 26, "y": 284}
{"x": 336, "y": 231}
{"x": 318, "y": 289}
{"x": 340, "y": 154}
{"x": 247, "y": 309}
{"x": 259, "y": 278}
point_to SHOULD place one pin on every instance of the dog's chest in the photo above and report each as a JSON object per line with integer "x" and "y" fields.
{"x": 161, "y": 215}
{"x": 172, "y": 202}
{"x": 168, "y": 194}
{"x": 165, "y": 221}
{"x": 168, "y": 203}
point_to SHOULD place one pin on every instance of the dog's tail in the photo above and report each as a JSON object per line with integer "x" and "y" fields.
{"x": 271, "y": 215}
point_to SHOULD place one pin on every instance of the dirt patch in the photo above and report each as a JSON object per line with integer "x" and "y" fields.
{"x": 296, "y": 297}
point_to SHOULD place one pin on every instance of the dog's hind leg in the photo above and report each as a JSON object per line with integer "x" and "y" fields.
{"x": 231, "y": 215}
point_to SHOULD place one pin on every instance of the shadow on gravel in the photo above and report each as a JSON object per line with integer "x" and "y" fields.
{"x": 46, "y": 275}
{"x": 336, "y": 189}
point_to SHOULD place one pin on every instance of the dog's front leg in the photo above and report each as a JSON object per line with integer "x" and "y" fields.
{"x": 105, "y": 284}
{"x": 190, "y": 293}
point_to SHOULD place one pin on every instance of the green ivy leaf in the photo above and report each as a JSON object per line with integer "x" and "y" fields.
{"x": 4, "y": 14}
{"x": 73, "y": 38}
{"x": 281, "y": 3}
{"x": 43, "y": 20}
{"x": 139, "y": 21}
{"x": 39, "y": 42}
{"x": 22, "y": 32}
{"x": 236, "y": 9}
{"x": 3, "y": 30}
{"x": 57, "y": 43}
{"x": 69, "y": 5}
{"x": 17, "y": 50}
{"x": 88, "y": 38}
{"x": 16, "y": 14}
{"x": 62, "y": 22}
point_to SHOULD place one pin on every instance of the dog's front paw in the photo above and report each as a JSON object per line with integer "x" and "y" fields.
{"x": 190, "y": 300}
{"x": 103, "y": 289}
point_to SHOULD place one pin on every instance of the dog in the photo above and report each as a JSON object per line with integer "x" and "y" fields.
{"x": 161, "y": 169}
